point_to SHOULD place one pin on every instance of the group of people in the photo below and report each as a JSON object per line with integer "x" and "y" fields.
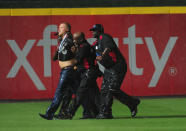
{"x": 81, "y": 64}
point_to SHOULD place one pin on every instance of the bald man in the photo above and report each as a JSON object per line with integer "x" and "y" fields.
{"x": 88, "y": 89}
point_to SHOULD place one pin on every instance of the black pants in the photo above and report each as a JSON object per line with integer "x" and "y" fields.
{"x": 91, "y": 101}
{"x": 112, "y": 80}
{"x": 66, "y": 99}
{"x": 91, "y": 97}
{"x": 86, "y": 92}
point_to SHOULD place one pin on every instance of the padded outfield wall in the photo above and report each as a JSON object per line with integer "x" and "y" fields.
{"x": 152, "y": 39}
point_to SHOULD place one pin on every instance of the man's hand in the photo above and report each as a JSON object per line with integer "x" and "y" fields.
{"x": 75, "y": 67}
{"x": 99, "y": 58}
{"x": 73, "y": 49}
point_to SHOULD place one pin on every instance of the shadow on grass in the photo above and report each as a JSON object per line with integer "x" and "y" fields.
{"x": 149, "y": 117}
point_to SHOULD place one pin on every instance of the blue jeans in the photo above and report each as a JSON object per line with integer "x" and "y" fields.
{"x": 66, "y": 80}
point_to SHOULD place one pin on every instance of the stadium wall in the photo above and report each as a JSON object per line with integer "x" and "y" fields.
{"x": 152, "y": 39}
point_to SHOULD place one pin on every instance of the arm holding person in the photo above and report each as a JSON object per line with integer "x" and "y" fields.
{"x": 78, "y": 37}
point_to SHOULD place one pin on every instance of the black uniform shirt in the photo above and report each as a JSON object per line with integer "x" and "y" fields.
{"x": 85, "y": 56}
{"x": 113, "y": 54}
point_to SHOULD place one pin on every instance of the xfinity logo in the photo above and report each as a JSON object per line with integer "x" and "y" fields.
{"x": 159, "y": 62}
{"x": 46, "y": 42}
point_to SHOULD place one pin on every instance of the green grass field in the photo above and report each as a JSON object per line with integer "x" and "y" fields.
{"x": 167, "y": 114}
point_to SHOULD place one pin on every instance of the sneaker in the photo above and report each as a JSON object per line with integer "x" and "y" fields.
{"x": 45, "y": 116}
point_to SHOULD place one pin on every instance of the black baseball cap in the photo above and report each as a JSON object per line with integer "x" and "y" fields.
{"x": 97, "y": 27}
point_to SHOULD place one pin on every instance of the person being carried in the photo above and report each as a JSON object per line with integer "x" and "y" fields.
{"x": 66, "y": 80}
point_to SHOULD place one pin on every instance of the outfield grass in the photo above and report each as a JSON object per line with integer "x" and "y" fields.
{"x": 154, "y": 115}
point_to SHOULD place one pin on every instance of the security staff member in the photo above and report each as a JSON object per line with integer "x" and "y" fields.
{"x": 90, "y": 100}
{"x": 84, "y": 61}
{"x": 66, "y": 79}
{"x": 115, "y": 65}
{"x": 91, "y": 95}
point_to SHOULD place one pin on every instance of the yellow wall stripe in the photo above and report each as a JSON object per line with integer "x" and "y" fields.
{"x": 92, "y": 11}
{"x": 151, "y": 10}
{"x": 178, "y": 10}
{"x": 5, "y": 12}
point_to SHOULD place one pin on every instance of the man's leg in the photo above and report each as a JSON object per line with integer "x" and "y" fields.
{"x": 105, "y": 111}
{"x": 86, "y": 107}
{"x": 94, "y": 96}
{"x": 92, "y": 100}
{"x": 114, "y": 86}
{"x": 66, "y": 98}
{"x": 57, "y": 97}
{"x": 80, "y": 95}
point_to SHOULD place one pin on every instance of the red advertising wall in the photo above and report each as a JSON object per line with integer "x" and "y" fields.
{"x": 153, "y": 44}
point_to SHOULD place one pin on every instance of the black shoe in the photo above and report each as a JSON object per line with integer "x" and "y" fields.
{"x": 68, "y": 116}
{"x": 58, "y": 116}
{"x": 62, "y": 117}
{"x": 45, "y": 116}
{"x": 87, "y": 117}
{"x": 102, "y": 116}
{"x": 134, "y": 108}
{"x": 109, "y": 116}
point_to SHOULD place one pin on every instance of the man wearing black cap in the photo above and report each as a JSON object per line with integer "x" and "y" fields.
{"x": 110, "y": 57}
